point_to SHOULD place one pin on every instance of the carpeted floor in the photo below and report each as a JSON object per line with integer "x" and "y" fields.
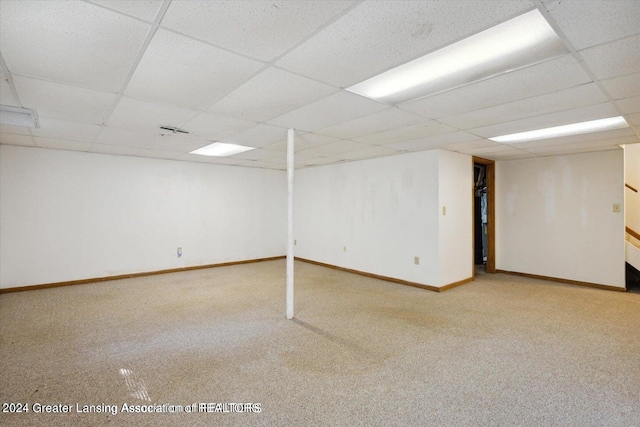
{"x": 500, "y": 351}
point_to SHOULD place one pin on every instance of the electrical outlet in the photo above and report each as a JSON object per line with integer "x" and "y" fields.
{"x": 295, "y": 242}
{"x": 444, "y": 210}
{"x": 416, "y": 260}
{"x": 616, "y": 207}
{"x": 179, "y": 251}
{"x": 344, "y": 249}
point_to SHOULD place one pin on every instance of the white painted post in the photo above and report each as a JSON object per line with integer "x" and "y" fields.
{"x": 290, "y": 169}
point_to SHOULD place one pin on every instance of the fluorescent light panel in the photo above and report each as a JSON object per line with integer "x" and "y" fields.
{"x": 221, "y": 149}
{"x": 525, "y": 40}
{"x": 566, "y": 130}
{"x": 17, "y": 116}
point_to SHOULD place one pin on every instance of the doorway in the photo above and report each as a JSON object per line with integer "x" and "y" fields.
{"x": 484, "y": 215}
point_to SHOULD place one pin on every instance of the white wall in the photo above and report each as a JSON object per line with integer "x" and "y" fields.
{"x": 632, "y": 177}
{"x": 70, "y": 215}
{"x": 456, "y": 227}
{"x": 386, "y": 211}
{"x": 554, "y": 217}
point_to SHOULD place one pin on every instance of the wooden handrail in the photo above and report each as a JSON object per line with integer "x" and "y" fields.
{"x": 630, "y": 188}
{"x": 633, "y": 233}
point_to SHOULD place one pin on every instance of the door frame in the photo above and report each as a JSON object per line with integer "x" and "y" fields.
{"x": 491, "y": 213}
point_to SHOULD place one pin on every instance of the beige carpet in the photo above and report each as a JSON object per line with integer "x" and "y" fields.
{"x": 501, "y": 351}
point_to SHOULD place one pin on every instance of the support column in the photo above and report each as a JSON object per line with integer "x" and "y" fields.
{"x": 290, "y": 169}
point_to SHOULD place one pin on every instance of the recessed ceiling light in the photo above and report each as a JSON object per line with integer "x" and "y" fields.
{"x": 522, "y": 41}
{"x": 221, "y": 149}
{"x": 566, "y": 130}
{"x": 17, "y": 116}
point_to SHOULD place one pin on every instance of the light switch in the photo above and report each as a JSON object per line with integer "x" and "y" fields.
{"x": 616, "y": 207}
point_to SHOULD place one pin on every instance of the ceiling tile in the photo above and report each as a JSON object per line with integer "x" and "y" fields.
{"x": 583, "y": 150}
{"x": 337, "y": 108}
{"x": 143, "y": 9}
{"x": 177, "y": 143}
{"x": 194, "y": 158}
{"x": 114, "y": 149}
{"x": 303, "y": 160}
{"x": 335, "y": 148}
{"x": 614, "y": 59}
{"x": 137, "y": 114}
{"x": 470, "y": 145}
{"x": 181, "y": 71}
{"x": 584, "y": 145}
{"x": 76, "y": 42}
{"x": 623, "y": 87}
{"x": 268, "y": 28}
{"x": 167, "y": 155}
{"x": 117, "y": 136}
{"x": 278, "y": 158}
{"x": 62, "y": 144}
{"x": 629, "y": 105}
{"x": 435, "y": 141}
{"x": 58, "y": 101}
{"x": 567, "y": 99}
{"x": 259, "y": 154}
{"x": 596, "y": 22}
{"x": 15, "y": 139}
{"x": 502, "y": 149}
{"x": 368, "y": 153}
{"x": 633, "y": 119}
{"x": 247, "y": 163}
{"x": 547, "y": 77}
{"x": 592, "y": 112}
{"x": 257, "y": 136}
{"x": 508, "y": 155}
{"x": 378, "y": 122}
{"x": 428, "y": 128}
{"x": 302, "y": 141}
{"x": 6, "y": 94}
{"x": 72, "y": 131}
{"x": 271, "y": 93}
{"x": 229, "y": 161}
{"x": 19, "y": 130}
{"x": 215, "y": 127}
{"x": 262, "y": 165}
{"x": 594, "y": 136}
{"x": 366, "y": 41}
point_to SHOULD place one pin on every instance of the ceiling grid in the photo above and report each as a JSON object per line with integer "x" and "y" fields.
{"x": 104, "y": 76}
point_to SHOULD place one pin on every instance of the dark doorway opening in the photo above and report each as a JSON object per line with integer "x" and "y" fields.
{"x": 484, "y": 220}
{"x": 480, "y": 214}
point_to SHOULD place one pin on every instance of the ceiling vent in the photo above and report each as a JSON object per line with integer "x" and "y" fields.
{"x": 174, "y": 129}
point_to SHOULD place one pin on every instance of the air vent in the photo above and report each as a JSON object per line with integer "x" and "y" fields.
{"x": 174, "y": 129}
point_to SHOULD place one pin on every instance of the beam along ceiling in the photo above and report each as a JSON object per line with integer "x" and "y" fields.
{"x": 104, "y": 75}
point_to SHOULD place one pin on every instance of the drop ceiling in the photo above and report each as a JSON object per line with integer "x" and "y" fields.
{"x": 103, "y": 76}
